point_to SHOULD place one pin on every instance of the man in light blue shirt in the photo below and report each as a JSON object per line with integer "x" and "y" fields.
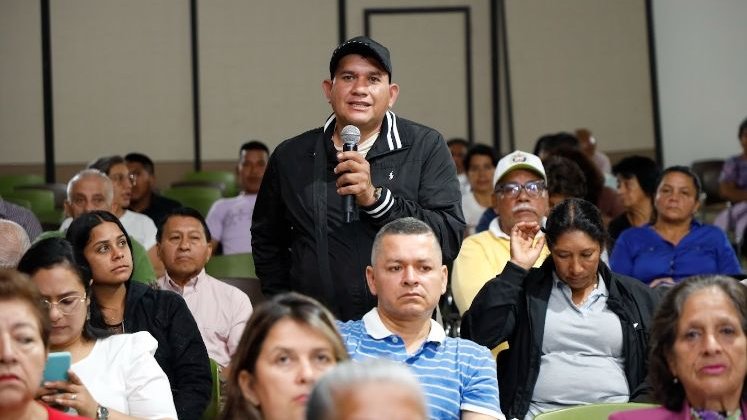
{"x": 408, "y": 277}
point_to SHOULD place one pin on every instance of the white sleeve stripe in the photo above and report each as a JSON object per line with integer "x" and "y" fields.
{"x": 382, "y": 206}
{"x": 482, "y": 410}
{"x": 389, "y": 131}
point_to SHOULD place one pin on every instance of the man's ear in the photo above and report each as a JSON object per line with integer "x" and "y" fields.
{"x": 327, "y": 89}
{"x": 393, "y": 94}
{"x": 210, "y": 251}
{"x": 158, "y": 251}
{"x": 444, "y": 279}
{"x": 370, "y": 280}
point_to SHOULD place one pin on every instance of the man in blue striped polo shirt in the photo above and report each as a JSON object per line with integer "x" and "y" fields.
{"x": 408, "y": 278}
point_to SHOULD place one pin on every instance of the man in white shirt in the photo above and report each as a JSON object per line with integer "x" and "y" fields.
{"x": 220, "y": 310}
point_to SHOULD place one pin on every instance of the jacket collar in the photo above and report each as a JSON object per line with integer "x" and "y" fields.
{"x": 389, "y": 137}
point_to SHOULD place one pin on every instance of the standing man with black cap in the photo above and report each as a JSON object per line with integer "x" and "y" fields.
{"x": 300, "y": 241}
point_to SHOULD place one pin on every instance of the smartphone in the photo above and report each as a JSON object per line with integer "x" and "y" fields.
{"x": 58, "y": 363}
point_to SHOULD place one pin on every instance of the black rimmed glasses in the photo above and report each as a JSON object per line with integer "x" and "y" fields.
{"x": 512, "y": 189}
{"x": 66, "y": 305}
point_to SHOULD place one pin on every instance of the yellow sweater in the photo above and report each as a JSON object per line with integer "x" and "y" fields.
{"x": 481, "y": 257}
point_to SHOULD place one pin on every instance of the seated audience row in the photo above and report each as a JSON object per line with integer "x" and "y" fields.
{"x": 573, "y": 232}
{"x": 291, "y": 340}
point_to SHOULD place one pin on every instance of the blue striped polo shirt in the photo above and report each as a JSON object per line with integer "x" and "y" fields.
{"x": 456, "y": 374}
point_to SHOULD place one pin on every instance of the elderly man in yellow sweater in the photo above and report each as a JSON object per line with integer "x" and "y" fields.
{"x": 520, "y": 186}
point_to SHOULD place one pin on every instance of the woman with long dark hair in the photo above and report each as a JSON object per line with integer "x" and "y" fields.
{"x": 104, "y": 255}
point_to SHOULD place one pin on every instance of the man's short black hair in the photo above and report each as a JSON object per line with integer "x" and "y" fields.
{"x": 143, "y": 160}
{"x": 183, "y": 212}
{"x": 253, "y": 145}
{"x": 742, "y": 128}
{"x": 457, "y": 140}
{"x": 480, "y": 150}
{"x": 644, "y": 169}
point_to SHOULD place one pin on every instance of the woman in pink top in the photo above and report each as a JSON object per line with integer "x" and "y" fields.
{"x": 698, "y": 358}
{"x": 24, "y": 341}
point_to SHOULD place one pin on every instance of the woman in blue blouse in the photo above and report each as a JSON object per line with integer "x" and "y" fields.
{"x": 675, "y": 245}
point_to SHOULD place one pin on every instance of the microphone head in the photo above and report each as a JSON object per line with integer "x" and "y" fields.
{"x": 350, "y": 134}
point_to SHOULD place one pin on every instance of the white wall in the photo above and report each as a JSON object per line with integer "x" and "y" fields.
{"x": 702, "y": 70}
{"x": 581, "y": 63}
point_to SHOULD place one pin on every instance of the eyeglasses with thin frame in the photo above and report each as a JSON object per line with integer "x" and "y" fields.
{"x": 512, "y": 189}
{"x": 66, "y": 305}
{"x": 120, "y": 178}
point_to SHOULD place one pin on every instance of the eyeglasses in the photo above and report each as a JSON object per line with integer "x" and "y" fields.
{"x": 533, "y": 188}
{"x": 121, "y": 179}
{"x": 66, "y": 305}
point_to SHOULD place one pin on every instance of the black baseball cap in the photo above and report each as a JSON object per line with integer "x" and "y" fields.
{"x": 364, "y": 46}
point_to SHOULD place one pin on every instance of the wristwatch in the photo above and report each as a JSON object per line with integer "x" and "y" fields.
{"x": 377, "y": 193}
{"x": 102, "y": 413}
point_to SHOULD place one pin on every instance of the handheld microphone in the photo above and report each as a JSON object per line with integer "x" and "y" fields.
{"x": 350, "y": 135}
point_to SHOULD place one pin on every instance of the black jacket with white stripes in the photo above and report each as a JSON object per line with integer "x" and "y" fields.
{"x": 299, "y": 239}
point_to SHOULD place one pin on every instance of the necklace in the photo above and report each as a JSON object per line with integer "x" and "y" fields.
{"x": 116, "y": 319}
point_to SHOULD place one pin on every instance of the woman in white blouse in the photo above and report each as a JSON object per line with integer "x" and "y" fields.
{"x": 112, "y": 376}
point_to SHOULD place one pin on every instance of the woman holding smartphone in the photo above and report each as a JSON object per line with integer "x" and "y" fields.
{"x": 24, "y": 344}
{"x": 112, "y": 376}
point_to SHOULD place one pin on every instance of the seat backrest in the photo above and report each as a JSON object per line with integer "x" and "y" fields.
{"x": 199, "y": 198}
{"x": 227, "y": 178}
{"x": 200, "y": 183}
{"x": 41, "y": 200}
{"x": 709, "y": 171}
{"x": 590, "y": 412}
{"x": 234, "y": 265}
{"x": 213, "y": 409}
{"x": 58, "y": 189}
{"x": 238, "y": 271}
{"x": 9, "y": 182}
{"x": 250, "y": 286}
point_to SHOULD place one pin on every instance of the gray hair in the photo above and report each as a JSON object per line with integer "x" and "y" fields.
{"x": 14, "y": 244}
{"x": 403, "y": 226}
{"x": 663, "y": 332}
{"x": 323, "y": 402}
{"x": 91, "y": 173}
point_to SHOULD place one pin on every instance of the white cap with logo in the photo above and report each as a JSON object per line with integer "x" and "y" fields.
{"x": 518, "y": 160}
